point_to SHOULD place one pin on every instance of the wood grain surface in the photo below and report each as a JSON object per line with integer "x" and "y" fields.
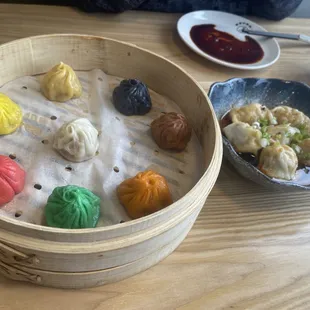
{"x": 249, "y": 248}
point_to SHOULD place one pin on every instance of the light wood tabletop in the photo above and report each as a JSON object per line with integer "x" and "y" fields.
{"x": 249, "y": 248}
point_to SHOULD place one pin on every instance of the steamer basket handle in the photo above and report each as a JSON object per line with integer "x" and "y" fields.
{"x": 17, "y": 274}
{"x": 11, "y": 255}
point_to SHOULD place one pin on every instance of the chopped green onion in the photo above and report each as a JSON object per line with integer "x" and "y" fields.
{"x": 263, "y": 122}
{"x": 264, "y": 129}
{"x": 298, "y": 137}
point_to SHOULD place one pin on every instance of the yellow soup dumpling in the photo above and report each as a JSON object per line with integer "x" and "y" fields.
{"x": 61, "y": 84}
{"x": 11, "y": 115}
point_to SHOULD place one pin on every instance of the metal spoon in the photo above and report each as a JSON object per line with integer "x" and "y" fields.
{"x": 297, "y": 37}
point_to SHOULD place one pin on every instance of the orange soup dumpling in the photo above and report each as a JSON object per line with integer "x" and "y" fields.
{"x": 146, "y": 193}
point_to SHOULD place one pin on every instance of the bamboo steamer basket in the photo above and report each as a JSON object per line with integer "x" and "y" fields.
{"x": 90, "y": 257}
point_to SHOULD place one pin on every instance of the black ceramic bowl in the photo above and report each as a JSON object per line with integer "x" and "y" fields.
{"x": 270, "y": 92}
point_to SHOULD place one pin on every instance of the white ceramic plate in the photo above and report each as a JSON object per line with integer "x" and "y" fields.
{"x": 231, "y": 24}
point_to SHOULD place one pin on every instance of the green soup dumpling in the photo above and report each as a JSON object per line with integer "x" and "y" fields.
{"x": 72, "y": 207}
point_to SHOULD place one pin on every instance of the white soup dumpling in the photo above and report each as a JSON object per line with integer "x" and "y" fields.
{"x": 77, "y": 141}
{"x": 244, "y": 138}
{"x": 252, "y": 113}
{"x": 278, "y": 161}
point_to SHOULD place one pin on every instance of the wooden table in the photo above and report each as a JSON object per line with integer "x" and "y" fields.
{"x": 249, "y": 249}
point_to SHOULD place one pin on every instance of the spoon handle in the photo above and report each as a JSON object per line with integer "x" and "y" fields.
{"x": 273, "y": 34}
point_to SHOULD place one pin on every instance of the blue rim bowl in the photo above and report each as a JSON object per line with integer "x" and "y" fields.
{"x": 238, "y": 92}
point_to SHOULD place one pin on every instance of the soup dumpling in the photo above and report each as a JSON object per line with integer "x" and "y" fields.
{"x": 72, "y": 207}
{"x": 11, "y": 115}
{"x": 251, "y": 113}
{"x": 244, "y": 138}
{"x": 77, "y": 141}
{"x": 144, "y": 194}
{"x": 12, "y": 179}
{"x": 278, "y": 161}
{"x": 132, "y": 97}
{"x": 61, "y": 84}
{"x": 171, "y": 131}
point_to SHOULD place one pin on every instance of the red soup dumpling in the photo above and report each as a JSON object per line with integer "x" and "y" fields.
{"x": 12, "y": 179}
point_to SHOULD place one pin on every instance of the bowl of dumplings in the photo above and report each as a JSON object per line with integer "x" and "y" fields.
{"x": 266, "y": 130}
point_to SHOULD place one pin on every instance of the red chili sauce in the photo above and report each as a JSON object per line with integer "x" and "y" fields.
{"x": 224, "y": 46}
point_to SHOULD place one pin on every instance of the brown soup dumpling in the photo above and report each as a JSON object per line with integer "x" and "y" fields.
{"x": 171, "y": 131}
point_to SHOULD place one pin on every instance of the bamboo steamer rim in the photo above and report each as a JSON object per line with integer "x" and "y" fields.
{"x": 108, "y": 245}
{"x": 193, "y": 192}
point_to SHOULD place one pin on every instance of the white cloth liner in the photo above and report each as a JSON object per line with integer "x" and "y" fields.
{"x": 125, "y": 142}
